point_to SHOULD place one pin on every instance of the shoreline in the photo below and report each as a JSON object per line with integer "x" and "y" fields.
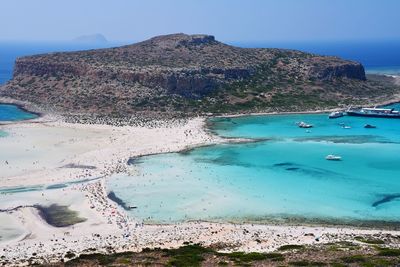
{"x": 24, "y": 106}
{"x": 374, "y": 225}
{"x": 31, "y": 108}
{"x": 384, "y": 103}
{"x": 107, "y": 221}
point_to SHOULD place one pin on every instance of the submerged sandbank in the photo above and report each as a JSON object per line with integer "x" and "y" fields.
{"x": 59, "y": 216}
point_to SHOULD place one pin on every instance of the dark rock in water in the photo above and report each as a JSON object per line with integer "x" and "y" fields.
{"x": 310, "y": 171}
{"x": 293, "y": 169}
{"x": 385, "y": 199}
{"x": 283, "y": 164}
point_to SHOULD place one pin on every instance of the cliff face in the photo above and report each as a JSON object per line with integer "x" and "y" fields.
{"x": 174, "y": 66}
{"x": 183, "y": 64}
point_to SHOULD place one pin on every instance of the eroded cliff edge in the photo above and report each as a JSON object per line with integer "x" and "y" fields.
{"x": 190, "y": 74}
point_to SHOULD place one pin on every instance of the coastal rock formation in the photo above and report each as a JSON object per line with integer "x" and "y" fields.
{"x": 186, "y": 73}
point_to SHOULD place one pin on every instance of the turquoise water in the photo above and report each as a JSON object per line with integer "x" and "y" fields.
{"x": 14, "y": 113}
{"x": 284, "y": 176}
{"x": 282, "y": 127}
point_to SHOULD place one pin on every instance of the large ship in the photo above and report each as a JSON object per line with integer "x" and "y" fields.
{"x": 374, "y": 112}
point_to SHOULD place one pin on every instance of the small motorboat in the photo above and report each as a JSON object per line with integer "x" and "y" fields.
{"x": 304, "y": 125}
{"x": 346, "y": 127}
{"x": 336, "y": 114}
{"x": 333, "y": 157}
{"x": 369, "y": 126}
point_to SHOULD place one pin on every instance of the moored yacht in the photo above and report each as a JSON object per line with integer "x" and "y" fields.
{"x": 333, "y": 157}
{"x": 336, "y": 114}
{"x": 374, "y": 112}
{"x": 302, "y": 124}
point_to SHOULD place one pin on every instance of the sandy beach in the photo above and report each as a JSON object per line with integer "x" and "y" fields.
{"x": 47, "y": 151}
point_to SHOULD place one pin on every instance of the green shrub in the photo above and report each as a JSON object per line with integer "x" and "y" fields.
{"x": 389, "y": 252}
{"x": 186, "y": 256}
{"x": 242, "y": 257}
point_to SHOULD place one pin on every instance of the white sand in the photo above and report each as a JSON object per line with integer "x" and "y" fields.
{"x": 35, "y": 153}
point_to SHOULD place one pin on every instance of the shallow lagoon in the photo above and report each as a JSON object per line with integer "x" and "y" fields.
{"x": 14, "y": 113}
{"x": 284, "y": 176}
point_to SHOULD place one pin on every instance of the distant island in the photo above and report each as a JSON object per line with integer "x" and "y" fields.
{"x": 191, "y": 75}
{"x": 92, "y": 38}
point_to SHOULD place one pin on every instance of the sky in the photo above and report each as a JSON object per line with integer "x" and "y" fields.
{"x": 228, "y": 20}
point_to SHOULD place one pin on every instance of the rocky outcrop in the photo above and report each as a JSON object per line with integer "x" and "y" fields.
{"x": 175, "y": 66}
{"x": 38, "y": 67}
{"x": 337, "y": 68}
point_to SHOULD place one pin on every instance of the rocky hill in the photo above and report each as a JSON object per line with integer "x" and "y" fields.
{"x": 191, "y": 74}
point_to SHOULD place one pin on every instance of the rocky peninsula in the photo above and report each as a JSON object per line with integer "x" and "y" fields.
{"x": 191, "y": 74}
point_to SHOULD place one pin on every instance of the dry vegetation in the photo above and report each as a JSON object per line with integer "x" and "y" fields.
{"x": 359, "y": 252}
{"x": 192, "y": 74}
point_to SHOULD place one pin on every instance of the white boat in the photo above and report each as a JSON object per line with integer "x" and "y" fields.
{"x": 333, "y": 157}
{"x": 302, "y": 124}
{"x": 374, "y": 112}
{"x": 336, "y": 114}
